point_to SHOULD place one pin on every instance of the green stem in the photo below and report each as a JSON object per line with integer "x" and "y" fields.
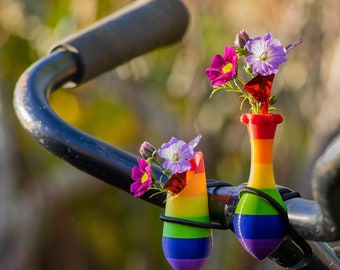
{"x": 240, "y": 80}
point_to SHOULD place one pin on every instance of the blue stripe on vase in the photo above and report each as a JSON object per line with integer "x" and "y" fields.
{"x": 187, "y": 248}
{"x": 259, "y": 226}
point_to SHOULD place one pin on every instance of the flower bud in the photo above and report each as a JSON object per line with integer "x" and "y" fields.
{"x": 147, "y": 150}
{"x": 241, "y": 39}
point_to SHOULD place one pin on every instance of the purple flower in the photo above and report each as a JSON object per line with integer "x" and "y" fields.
{"x": 223, "y": 68}
{"x": 177, "y": 154}
{"x": 266, "y": 55}
{"x": 142, "y": 178}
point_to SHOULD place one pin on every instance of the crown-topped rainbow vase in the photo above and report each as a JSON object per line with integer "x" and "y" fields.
{"x": 257, "y": 224}
{"x": 187, "y": 247}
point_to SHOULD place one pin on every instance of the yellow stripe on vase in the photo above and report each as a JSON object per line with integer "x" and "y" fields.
{"x": 190, "y": 206}
{"x": 261, "y": 176}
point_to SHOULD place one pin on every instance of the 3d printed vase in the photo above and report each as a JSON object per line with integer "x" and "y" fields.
{"x": 258, "y": 225}
{"x": 187, "y": 247}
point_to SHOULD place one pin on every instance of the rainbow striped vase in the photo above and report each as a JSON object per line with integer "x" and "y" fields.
{"x": 186, "y": 247}
{"x": 257, "y": 224}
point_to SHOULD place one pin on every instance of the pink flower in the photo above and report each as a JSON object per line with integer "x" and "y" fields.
{"x": 142, "y": 178}
{"x": 223, "y": 68}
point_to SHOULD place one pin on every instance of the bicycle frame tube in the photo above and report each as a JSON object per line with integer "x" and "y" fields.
{"x": 113, "y": 165}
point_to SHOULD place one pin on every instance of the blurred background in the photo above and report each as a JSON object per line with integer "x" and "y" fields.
{"x": 53, "y": 216}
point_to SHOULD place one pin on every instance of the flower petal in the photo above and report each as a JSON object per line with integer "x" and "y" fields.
{"x": 177, "y": 153}
{"x": 176, "y": 183}
{"x": 266, "y": 54}
{"x": 260, "y": 87}
{"x": 217, "y": 72}
{"x": 194, "y": 142}
{"x": 140, "y": 186}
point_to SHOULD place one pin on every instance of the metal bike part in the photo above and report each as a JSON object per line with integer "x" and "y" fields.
{"x": 317, "y": 256}
{"x": 326, "y": 190}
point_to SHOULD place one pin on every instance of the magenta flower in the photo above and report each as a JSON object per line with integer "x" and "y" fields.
{"x": 177, "y": 154}
{"x": 142, "y": 178}
{"x": 266, "y": 54}
{"x": 223, "y": 68}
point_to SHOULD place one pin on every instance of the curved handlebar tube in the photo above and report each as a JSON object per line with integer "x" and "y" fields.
{"x": 130, "y": 32}
{"x": 310, "y": 220}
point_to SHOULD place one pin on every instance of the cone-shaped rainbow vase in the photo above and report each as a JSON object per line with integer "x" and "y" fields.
{"x": 187, "y": 247}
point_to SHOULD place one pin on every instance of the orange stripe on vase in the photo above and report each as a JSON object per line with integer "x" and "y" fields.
{"x": 263, "y": 150}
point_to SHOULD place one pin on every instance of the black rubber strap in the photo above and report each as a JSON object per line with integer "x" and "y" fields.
{"x": 269, "y": 199}
{"x": 210, "y": 184}
{"x": 192, "y": 223}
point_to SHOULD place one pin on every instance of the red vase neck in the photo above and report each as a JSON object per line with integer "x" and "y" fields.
{"x": 261, "y": 126}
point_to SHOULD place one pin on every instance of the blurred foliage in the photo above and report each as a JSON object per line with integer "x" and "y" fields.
{"x": 54, "y": 217}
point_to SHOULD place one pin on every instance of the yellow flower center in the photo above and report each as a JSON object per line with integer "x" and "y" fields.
{"x": 264, "y": 56}
{"x": 144, "y": 178}
{"x": 227, "y": 68}
{"x": 176, "y": 157}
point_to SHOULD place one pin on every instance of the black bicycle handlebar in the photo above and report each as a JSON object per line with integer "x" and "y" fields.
{"x": 311, "y": 220}
{"x": 130, "y": 32}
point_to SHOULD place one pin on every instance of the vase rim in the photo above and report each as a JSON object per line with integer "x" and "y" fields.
{"x": 249, "y": 118}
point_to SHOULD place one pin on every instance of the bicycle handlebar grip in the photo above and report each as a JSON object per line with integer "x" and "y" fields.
{"x": 130, "y": 32}
{"x": 326, "y": 188}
